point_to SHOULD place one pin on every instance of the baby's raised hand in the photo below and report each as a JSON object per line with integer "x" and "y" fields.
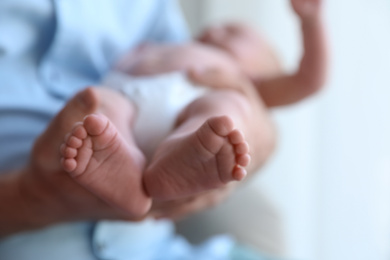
{"x": 307, "y": 9}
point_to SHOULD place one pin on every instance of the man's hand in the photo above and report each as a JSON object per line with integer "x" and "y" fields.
{"x": 178, "y": 209}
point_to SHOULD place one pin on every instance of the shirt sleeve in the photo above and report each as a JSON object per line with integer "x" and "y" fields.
{"x": 169, "y": 25}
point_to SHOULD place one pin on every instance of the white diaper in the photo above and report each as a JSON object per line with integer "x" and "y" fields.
{"x": 159, "y": 100}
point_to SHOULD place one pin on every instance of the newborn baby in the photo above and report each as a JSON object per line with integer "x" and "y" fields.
{"x": 208, "y": 132}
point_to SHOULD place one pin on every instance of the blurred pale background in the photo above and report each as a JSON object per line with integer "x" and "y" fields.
{"x": 330, "y": 176}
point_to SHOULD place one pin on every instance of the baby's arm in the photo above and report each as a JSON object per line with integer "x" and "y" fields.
{"x": 312, "y": 71}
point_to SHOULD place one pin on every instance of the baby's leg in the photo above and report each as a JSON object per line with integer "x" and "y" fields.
{"x": 101, "y": 155}
{"x": 205, "y": 151}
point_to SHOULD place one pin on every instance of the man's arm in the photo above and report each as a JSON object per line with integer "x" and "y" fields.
{"x": 312, "y": 71}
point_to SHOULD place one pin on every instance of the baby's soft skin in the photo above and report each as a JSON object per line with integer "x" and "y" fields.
{"x": 257, "y": 60}
{"x": 205, "y": 151}
{"x": 236, "y": 48}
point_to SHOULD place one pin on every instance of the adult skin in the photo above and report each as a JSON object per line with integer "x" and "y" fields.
{"x": 40, "y": 194}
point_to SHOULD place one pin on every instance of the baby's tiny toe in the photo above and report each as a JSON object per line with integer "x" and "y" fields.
{"x": 79, "y": 131}
{"x": 243, "y": 160}
{"x": 236, "y": 137}
{"x": 222, "y": 125}
{"x": 95, "y": 124}
{"x": 241, "y": 148}
{"x": 239, "y": 173}
{"x": 69, "y": 165}
{"x": 74, "y": 142}
{"x": 62, "y": 149}
{"x": 70, "y": 152}
{"x": 67, "y": 136}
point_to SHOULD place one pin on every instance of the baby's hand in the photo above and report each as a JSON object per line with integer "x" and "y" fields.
{"x": 307, "y": 9}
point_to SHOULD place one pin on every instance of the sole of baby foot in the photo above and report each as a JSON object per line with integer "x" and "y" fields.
{"x": 207, "y": 158}
{"x": 99, "y": 158}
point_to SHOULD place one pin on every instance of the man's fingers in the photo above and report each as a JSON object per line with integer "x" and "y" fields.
{"x": 198, "y": 203}
{"x": 186, "y": 209}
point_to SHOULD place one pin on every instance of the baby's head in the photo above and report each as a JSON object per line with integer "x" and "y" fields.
{"x": 254, "y": 55}
{"x": 151, "y": 59}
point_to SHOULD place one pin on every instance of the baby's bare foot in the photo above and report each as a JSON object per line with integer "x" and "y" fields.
{"x": 208, "y": 158}
{"x": 100, "y": 159}
{"x": 45, "y": 151}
